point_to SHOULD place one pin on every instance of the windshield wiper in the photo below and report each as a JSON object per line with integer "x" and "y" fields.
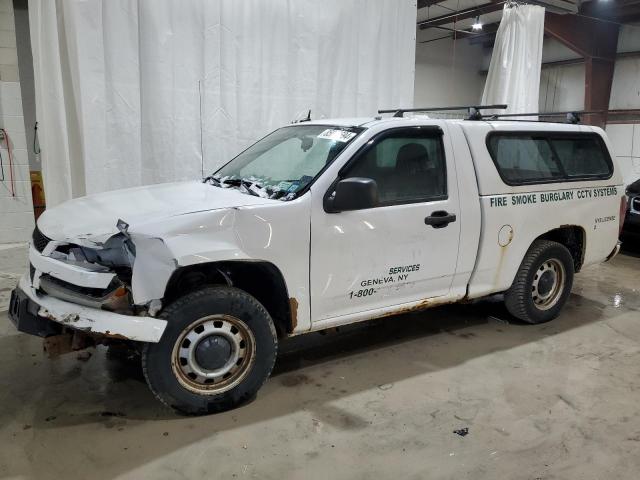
{"x": 241, "y": 182}
{"x": 249, "y": 189}
{"x": 211, "y": 179}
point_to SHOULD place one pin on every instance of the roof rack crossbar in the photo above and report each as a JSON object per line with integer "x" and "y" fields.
{"x": 572, "y": 116}
{"x": 473, "y": 110}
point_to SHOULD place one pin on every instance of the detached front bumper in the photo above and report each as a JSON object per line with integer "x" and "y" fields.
{"x": 44, "y": 316}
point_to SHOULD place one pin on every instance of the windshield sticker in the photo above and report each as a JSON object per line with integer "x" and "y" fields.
{"x": 337, "y": 135}
{"x": 284, "y": 186}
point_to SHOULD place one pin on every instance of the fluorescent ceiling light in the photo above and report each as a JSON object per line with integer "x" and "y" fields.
{"x": 477, "y": 25}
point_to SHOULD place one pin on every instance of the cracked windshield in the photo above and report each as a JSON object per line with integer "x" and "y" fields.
{"x": 283, "y": 163}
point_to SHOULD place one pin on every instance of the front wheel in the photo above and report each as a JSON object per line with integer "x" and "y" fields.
{"x": 218, "y": 349}
{"x": 543, "y": 283}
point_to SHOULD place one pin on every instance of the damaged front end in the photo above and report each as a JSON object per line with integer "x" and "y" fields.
{"x": 96, "y": 277}
{"x": 96, "y": 291}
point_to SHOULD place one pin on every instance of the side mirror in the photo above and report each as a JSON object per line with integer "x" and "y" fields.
{"x": 354, "y": 193}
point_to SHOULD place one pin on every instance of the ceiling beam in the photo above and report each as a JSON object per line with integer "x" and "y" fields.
{"x": 464, "y": 14}
{"x": 619, "y": 10}
{"x": 486, "y": 35}
{"x": 588, "y": 37}
{"x": 459, "y": 33}
{"x": 635, "y": 18}
{"x": 428, "y": 3}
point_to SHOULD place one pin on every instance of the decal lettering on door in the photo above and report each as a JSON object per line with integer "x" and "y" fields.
{"x": 395, "y": 275}
{"x": 550, "y": 197}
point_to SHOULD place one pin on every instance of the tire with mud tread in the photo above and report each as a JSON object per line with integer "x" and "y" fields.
{"x": 543, "y": 283}
{"x": 218, "y": 349}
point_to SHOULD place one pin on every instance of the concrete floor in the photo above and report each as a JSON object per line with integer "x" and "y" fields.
{"x": 554, "y": 401}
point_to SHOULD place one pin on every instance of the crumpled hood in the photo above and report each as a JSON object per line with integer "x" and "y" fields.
{"x": 95, "y": 216}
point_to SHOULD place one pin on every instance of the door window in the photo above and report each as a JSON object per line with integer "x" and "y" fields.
{"x": 407, "y": 167}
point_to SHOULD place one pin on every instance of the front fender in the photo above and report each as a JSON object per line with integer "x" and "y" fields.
{"x": 277, "y": 233}
{"x": 201, "y": 237}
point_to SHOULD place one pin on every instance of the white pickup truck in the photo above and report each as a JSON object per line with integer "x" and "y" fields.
{"x": 320, "y": 224}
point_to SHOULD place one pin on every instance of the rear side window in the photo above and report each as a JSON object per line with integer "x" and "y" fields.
{"x": 582, "y": 157}
{"x": 524, "y": 158}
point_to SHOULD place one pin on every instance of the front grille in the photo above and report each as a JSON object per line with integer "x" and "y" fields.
{"x": 39, "y": 239}
{"x": 89, "y": 297}
{"x": 96, "y": 293}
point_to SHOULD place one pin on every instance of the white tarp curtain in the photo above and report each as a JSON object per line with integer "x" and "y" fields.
{"x": 514, "y": 71}
{"x": 118, "y": 81}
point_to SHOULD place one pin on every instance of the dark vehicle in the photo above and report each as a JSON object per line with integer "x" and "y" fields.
{"x": 631, "y": 227}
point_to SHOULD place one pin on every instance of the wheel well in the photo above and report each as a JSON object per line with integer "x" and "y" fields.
{"x": 573, "y": 238}
{"x": 263, "y": 280}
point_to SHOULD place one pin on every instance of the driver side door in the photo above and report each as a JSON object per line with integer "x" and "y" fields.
{"x": 389, "y": 255}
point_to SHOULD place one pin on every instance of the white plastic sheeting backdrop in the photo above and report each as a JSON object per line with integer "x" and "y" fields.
{"x": 117, "y": 81}
{"x": 514, "y": 71}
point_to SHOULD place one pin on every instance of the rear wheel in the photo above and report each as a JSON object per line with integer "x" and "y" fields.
{"x": 543, "y": 283}
{"x": 218, "y": 349}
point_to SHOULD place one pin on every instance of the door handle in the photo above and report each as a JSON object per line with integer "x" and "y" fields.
{"x": 440, "y": 219}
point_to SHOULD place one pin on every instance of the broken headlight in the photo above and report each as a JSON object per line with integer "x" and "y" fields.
{"x": 117, "y": 252}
